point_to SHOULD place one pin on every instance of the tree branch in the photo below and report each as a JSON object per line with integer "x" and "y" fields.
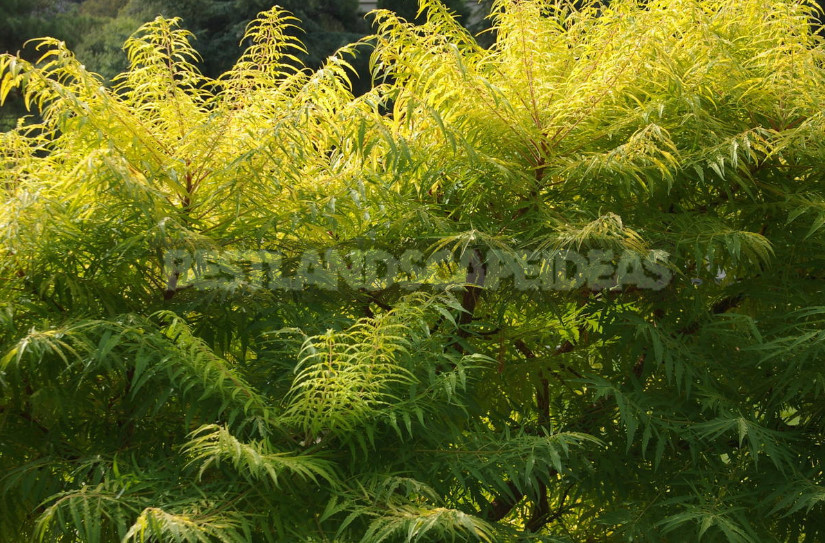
{"x": 502, "y": 505}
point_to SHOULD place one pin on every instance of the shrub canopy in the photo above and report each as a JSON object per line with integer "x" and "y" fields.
{"x": 567, "y": 288}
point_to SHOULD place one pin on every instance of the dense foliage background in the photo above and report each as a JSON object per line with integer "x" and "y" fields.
{"x": 158, "y": 383}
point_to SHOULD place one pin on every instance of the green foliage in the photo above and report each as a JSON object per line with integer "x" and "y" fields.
{"x": 102, "y": 46}
{"x": 24, "y": 20}
{"x": 219, "y": 25}
{"x": 409, "y": 9}
{"x": 178, "y": 361}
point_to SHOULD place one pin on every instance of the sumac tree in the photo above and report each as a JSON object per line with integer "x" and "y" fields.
{"x": 567, "y": 288}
